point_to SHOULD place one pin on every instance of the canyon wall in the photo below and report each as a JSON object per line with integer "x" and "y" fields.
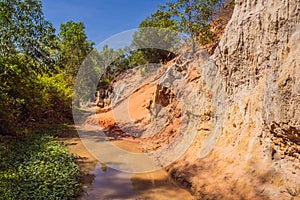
{"x": 247, "y": 144}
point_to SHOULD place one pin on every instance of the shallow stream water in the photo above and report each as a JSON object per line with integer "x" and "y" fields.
{"x": 103, "y": 182}
{"x": 109, "y": 183}
{"x": 113, "y": 184}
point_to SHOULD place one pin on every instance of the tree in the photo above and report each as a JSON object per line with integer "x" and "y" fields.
{"x": 27, "y": 40}
{"x": 194, "y": 16}
{"x": 155, "y": 39}
{"x": 74, "y": 47}
{"x": 24, "y": 30}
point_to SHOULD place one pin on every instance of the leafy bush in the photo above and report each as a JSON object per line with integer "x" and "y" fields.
{"x": 50, "y": 97}
{"x": 37, "y": 168}
{"x": 29, "y": 96}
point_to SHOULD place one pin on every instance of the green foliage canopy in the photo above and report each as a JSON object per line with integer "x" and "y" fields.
{"x": 194, "y": 16}
{"x": 30, "y": 85}
{"x": 74, "y": 47}
{"x": 24, "y": 30}
{"x": 156, "y": 39}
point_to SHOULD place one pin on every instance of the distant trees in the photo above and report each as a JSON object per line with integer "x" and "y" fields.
{"x": 154, "y": 31}
{"x": 74, "y": 47}
{"x": 114, "y": 61}
{"x": 156, "y": 38}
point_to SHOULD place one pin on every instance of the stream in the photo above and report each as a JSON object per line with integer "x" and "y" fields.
{"x": 107, "y": 183}
{"x": 113, "y": 184}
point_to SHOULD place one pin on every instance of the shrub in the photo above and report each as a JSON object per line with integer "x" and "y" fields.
{"x": 37, "y": 168}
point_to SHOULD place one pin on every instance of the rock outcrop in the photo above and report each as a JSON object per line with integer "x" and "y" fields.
{"x": 248, "y": 144}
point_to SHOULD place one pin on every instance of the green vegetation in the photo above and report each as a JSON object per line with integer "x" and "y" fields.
{"x": 153, "y": 42}
{"x": 38, "y": 67}
{"x": 74, "y": 48}
{"x": 194, "y": 17}
{"x": 35, "y": 89}
{"x": 37, "y": 168}
{"x": 158, "y": 30}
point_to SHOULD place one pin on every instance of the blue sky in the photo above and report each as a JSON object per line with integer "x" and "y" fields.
{"x": 102, "y": 18}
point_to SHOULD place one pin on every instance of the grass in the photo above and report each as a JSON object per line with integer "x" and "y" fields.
{"x": 37, "y": 167}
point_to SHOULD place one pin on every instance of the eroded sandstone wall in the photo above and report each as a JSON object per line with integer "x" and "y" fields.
{"x": 258, "y": 58}
{"x": 248, "y": 137}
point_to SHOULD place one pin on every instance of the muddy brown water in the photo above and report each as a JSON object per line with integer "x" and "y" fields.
{"x": 113, "y": 184}
{"x": 102, "y": 182}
